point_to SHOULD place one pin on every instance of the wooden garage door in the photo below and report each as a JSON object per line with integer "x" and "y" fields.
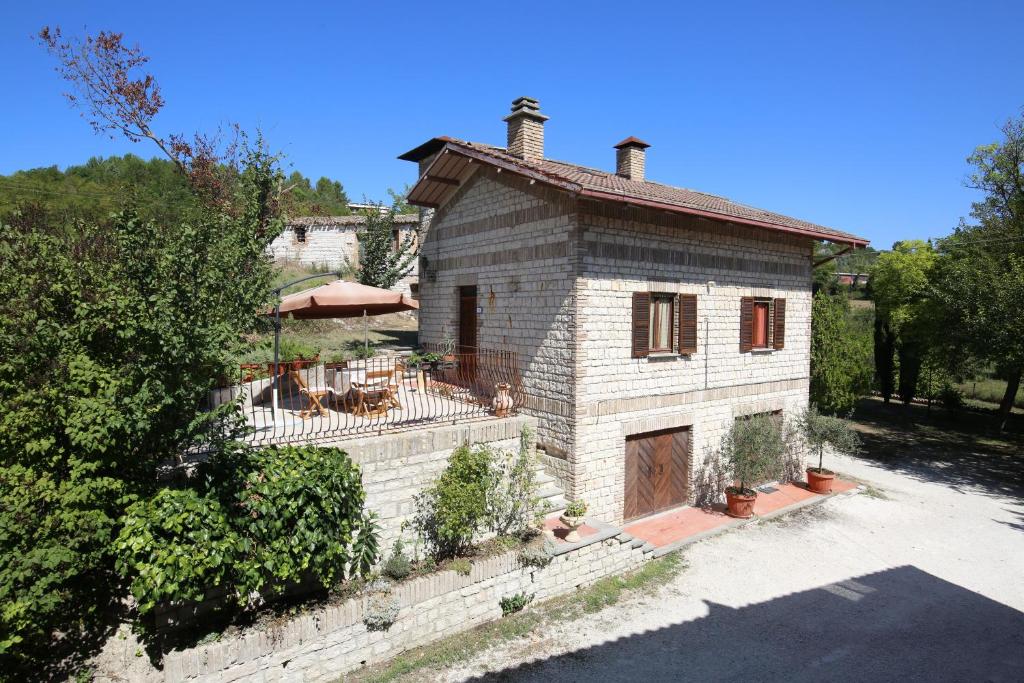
{"x": 657, "y": 471}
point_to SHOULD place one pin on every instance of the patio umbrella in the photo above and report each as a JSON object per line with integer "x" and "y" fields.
{"x": 342, "y": 299}
{"x": 337, "y": 299}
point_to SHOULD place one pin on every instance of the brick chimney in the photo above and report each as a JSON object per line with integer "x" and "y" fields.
{"x": 526, "y": 129}
{"x": 630, "y": 157}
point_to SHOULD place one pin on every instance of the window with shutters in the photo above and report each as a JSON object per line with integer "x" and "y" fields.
{"x": 762, "y": 324}
{"x": 664, "y": 323}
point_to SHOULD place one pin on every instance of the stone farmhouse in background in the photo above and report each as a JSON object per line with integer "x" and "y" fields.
{"x": 330, "y": 242}
{"x": 646, "y": 318}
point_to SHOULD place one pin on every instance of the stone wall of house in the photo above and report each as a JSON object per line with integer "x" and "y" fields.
{"x": 555, "y": 278}
{"x": 332, "y": 641}
{"x": 514, "y": 242}
{"x": 325, "y": 246}
{"x": 330, "y": 243}
{"x": 631, "y": 250}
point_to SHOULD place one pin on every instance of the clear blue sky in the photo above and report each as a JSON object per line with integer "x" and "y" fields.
{"x": 858, "y": 118}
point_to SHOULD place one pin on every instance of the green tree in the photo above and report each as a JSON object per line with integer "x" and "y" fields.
{"x": 399, "y": 200}
{"x": 824, "y": 275}
{"x": 841, "y": 368}
{"x": 820, "y": 431}
{"x": 92, "y": 191}
{"x": 900, "y": 287}
{"x": 111, "y": 337}
{"x": 979, "y": 277}
{"x": 385, "y": 256}
{"x": 327, "y": 198}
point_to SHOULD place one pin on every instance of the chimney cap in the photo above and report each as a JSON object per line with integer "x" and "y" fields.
{"x": 632, "y": 142}
{"x": 528, "y": 107}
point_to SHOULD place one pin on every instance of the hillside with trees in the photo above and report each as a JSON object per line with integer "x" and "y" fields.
{"x": 154, "y": 188}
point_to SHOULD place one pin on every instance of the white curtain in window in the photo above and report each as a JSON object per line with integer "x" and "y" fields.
{"x": 661, "y": 323}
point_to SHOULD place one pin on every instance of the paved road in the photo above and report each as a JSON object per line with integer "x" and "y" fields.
{"x": 926, "y": 584}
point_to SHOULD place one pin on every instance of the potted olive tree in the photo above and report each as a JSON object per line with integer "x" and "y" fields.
{"x": 818, "y": 432}
{"x": 754, "y": 449}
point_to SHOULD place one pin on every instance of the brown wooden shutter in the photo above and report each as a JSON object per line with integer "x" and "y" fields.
{"x": 746, "y": 323}
{"x": 641, "y": 324}
{"x": 779, "y": 324}
{"x": 687, "y": 323}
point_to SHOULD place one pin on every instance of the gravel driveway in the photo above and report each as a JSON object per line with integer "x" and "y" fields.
{"x": 925, "y": 583}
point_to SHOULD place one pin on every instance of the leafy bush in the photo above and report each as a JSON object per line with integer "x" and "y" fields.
{"x": 514, "y": 505}
{"x": 514, "y": 603}
{"x": 293, "y": 349}
{"x": 537, "y": 558}
{"x": 480, "y": 489}
{"x": 176, "y": 546}
{"x": 381, "y": 611}
{"x": 361, "y": 351}
{"x": 461, "y": 566}
{"x": 261, "y": 521}
{"x": 451, "y": 512}
{"x": 952, "y": 398}
{"x": 415, "y": 360}
{"x": 398, "y": 566}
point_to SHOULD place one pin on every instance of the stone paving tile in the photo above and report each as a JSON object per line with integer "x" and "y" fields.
{"x": 682, "y": 523}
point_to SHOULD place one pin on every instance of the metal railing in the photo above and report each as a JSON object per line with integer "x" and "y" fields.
{"x": 311, "y": 400}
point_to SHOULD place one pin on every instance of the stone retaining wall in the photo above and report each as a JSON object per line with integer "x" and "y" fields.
{"x": 329, "y": 642}
{"x": 397, "y": 466}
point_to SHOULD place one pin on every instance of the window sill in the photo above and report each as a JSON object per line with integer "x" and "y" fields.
{"x": 659, "y": 356}
{"x": 762, "y": 351}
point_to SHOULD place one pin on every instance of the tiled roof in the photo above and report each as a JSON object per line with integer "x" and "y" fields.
{"x": 353, "y": 220}
{"x": 608, "y": 186}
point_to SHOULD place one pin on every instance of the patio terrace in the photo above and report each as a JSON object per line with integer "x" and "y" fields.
{"x": 318, "y": 401}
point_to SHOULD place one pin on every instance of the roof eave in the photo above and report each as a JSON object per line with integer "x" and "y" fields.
{"x": 483, "y": 157}
{"x": 444, "y": 145}
{"x": 841, "y": 238}
{"x": 425, "y": 150}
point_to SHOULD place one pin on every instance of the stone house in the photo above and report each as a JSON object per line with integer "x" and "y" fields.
{"x": 330, "y": 242}
{"x": 646, "y": 318}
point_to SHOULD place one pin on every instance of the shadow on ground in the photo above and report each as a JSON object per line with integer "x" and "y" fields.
{"x": 898, "y": 624}
{"x": 961, "y": 451}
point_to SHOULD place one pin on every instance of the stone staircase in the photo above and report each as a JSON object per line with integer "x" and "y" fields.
{"x": 549, "y": 491}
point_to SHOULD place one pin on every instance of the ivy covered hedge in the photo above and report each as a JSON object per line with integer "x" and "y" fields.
{"x": 259, "y": 521}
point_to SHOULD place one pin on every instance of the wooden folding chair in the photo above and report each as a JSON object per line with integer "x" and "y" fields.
{"x": 378, "y": 393}
{"x": 313, "y": 396}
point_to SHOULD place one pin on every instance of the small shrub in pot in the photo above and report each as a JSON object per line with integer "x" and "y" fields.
{"x": 754, "y": 448}
{"x": 572, "y": 518}
{"x": 818, "y": 432}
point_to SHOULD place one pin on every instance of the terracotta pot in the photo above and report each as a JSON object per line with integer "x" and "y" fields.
{"x": 502, "y": 403}
{"x": 740, "y": 506}
{"x": 820, "y": 482}
{"x": 572, "y": 523}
